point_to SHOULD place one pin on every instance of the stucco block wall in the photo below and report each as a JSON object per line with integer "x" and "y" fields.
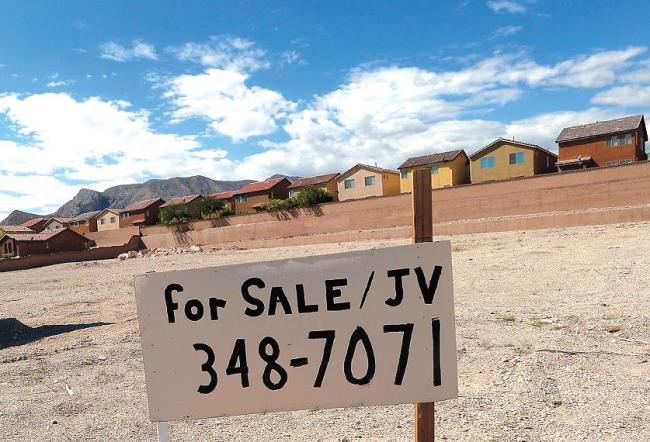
{"x": 615, "y": 194}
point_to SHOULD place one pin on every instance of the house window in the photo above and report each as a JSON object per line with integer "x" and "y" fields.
{"x": 369, "y": 180}
{"x": 102, "y": 221}
{"x": 487, "y": 163}
{"x": 348, "y": 184}
{"x": 241, "y": 199}
{"x": 619, "y": 140}
{"x": 76, "y": 223}
{"x": 516, "y": 158}
{"x": 293, "y": 193}
{"x": 404, "y": 174}
{"x": 434, "y": 170}
{"x": 113, "y": 219}
{"x": 126, "y": 215}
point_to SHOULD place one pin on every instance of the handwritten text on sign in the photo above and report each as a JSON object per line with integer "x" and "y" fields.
{"x": 360, "y": 328}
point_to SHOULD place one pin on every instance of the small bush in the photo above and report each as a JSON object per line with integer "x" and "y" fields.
{"x": 226, "y": 211}
{"x": 175, "y": 214}
{"x": 508, "y": 317}
{"x": 275, "y": 205}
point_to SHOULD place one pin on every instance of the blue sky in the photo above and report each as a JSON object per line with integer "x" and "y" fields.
{"x": 94, "y": 94}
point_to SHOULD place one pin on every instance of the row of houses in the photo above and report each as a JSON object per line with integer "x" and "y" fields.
{"x": 600, "y": 144}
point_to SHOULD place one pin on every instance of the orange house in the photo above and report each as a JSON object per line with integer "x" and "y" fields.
{"x": 85, "y": 222}
{"x": 604, "y": 143}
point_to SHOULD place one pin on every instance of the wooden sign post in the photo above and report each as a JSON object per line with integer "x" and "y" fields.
{"x": 423, "y": 232}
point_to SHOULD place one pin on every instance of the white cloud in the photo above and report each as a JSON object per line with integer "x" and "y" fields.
{"x": 139, "y": 49}
{"x": 229, "y": 53}
{"x": 292, "y": 57}
{"x": 624, "y": 96}
{"x": 59, "y": 83}
{"x": 505, "y": 31}
{"x": 90, "y": 143}
{"x": 513, "y": 7}
{"x": 231, "y": 107}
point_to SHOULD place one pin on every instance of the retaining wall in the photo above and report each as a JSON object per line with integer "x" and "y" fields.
{"x": 593, "y": 196}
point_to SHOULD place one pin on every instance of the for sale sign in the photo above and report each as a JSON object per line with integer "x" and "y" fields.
{"x": 361, "y": 328}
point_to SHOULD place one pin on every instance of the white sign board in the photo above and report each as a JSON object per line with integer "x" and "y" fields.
{"x": 360, "y": 328}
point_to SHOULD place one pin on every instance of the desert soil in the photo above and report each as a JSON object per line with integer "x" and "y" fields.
{"x": 553, "y": 344}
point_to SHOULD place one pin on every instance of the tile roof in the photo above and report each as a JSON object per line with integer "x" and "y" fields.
{"x": 601, "y": 128}
{"x": 85, "y": 216}
{"x": 432, "y": 158}
{"x": 259, "y": 186}
{"x": 142, "y": 205}
{"x": 43, "y": 236}
{"x": 180, "y": 200}
{"x": 33, "y": 222}
{"x": 510, "y": 141}
{"x": 113, "y": 210}
{"x": 223, "y": 195}
{"x": 313, "y": 180}
{"x": 366, "y": 167}
{"x": 61, "y": 219}
{"x": 15, "y": 229}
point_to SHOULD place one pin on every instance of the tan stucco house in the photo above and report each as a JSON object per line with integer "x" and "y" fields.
{"x": 109, "y": 219}
{"x": 325, "y": 182}
{"x": 363, "y": 181}
{"x": 447, "y": 169}
{"x": 504, "y": 159}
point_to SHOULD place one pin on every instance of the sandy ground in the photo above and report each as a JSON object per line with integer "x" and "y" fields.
{"x": 553, "y": 344}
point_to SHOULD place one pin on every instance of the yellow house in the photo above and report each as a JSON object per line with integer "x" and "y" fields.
{"x": 363, "y": 181}
{"x": 503, "y": 159}
{"x": 447, "y": 169}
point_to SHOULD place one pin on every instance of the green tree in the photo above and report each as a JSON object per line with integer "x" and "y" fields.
{"x": 310, "y": 195}
{"x": 175, "y": 214}
{"x": 209, "y": 206}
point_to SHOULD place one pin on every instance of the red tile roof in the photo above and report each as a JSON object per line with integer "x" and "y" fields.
{"x": 313, "y": 180}
{"x": 33, "y": 222}
{"x": 86, "y": 216}
{"x": 142, "y": 205}
{"x": 43, "y": 236}
{"x": 223, "y": 195}
{"x": 180, "y": 200}
{"x": 15, "y": 229}
{"x": 259, "y": 186}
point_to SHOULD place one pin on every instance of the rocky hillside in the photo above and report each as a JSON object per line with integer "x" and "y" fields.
{"x": 121, "y": 196}
{"x": 17, "y": 217}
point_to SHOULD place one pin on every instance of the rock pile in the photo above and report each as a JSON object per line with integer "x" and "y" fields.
{"x": 150, "y": 253}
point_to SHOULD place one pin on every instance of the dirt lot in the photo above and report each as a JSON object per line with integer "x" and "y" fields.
{"x": 553, "y": 344}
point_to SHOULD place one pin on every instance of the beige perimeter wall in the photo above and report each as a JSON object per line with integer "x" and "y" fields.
{"x": 597, "y": 196}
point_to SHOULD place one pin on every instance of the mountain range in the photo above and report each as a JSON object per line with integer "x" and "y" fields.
{"x": 88, "y": 200}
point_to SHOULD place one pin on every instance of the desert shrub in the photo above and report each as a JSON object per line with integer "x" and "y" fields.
{"x": 273, "y": 205}
{"x": 209, "y": 206}
{"x": 226, "y": 211}
{"x": 310, "y": 195}
{"x": 175, "y": 214}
